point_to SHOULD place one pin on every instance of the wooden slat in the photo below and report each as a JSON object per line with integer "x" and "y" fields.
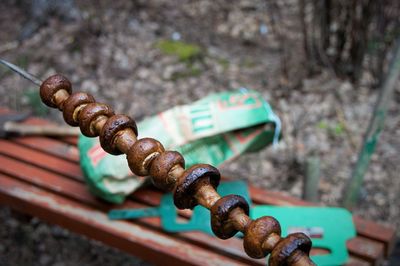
{"x": 367, "y": 249}
{"x": 371, "y": 230}
{"x": 40, "y": 177}
{"x": 76, "y": 190}
{"x": 145, "y": 243}
{"x": 366, "y": 230}
{"x": 357, "y": 262}
{"x": 359, "y": 247}
{"x": 39, "y": 121}
{"x": 386, "y": 236}
{"x": 261, "y": 196}
{"x": 151, "y": 197}
{"x": 45, "y": 161}
{"x": 50, "y": 146}
{"x": 71, "y": 140}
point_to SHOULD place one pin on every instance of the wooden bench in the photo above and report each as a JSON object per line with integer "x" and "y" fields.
{"x": 41, "y": 176}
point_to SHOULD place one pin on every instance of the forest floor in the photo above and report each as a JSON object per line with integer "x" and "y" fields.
{"x": 114, "y": 52}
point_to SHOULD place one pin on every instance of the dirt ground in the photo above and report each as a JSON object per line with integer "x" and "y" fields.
{"x": 112, "y": 52}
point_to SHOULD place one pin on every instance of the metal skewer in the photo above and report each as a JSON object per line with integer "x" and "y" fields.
{"x": 22, "y": 72}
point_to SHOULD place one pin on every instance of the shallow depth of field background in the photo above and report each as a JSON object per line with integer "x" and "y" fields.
{"x": 320, "y": 86}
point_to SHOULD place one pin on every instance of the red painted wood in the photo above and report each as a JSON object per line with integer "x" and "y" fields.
{"x": 357, "y": 262}
{"x": 50, "y": 146}
{"x": 152, "y": 197}
{"x": 76, "y": 191}
{"x": 368, "y": 249}
{"x": 369, "y": 246}
{"x": 371, "y": 230}
{"x": 383, "y": 234}
{"x": 138, "y": 240}
{"x": 42, "y": 160}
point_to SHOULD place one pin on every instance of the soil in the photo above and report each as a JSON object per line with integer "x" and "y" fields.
{"x": 111, "y": 52}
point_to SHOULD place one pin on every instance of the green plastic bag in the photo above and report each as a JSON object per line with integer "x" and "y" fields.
{"x": 212, "y": 130}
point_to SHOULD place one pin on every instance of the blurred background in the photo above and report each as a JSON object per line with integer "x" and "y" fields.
{"x": 320, "y": 64}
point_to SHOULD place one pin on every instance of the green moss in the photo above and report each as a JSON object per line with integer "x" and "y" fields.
{"x": 248, "y": 63}
{"x": 191, "y": 71}
{"x": 184, "y": 51}
{"x": 322, "y": 125}
{"x": 223, "y": 62}
{"x": 333, "y": 129}
{"x": 339, "y": 129}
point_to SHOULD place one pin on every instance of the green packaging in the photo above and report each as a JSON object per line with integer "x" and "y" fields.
{"x": 212, "y": 130}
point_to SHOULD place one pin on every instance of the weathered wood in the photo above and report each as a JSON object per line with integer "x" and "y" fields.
{"x": 95, "y": 224}
{"x": 68, "y": 187}
{"x": 357, "y": 262}
{"x": 75, "y": 190}
{"x": 43, "y": 161}
{"x": 383, "y": 234}
{"x": 40, "y": 130}
{"x": 57, "y": 173}
{"x": 50, "y": 146}
{"x": 367, "y": 249}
